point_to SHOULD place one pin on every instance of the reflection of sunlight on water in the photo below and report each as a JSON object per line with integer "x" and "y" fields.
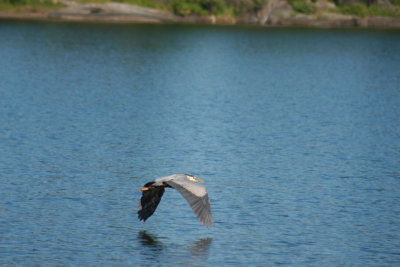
{"x": 196, "y": 255}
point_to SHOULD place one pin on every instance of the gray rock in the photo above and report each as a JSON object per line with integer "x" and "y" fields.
{"x": 324, "y": 5}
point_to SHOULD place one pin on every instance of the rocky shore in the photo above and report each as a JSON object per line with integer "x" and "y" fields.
{"x": 276, "y": 13}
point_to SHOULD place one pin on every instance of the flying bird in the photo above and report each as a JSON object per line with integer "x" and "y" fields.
{"x": 195, "y": 194}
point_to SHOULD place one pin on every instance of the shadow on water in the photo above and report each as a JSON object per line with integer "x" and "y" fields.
{"x": 197, "y": 253}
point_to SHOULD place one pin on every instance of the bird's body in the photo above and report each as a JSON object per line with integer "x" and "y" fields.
{"x": 195, "y": 194}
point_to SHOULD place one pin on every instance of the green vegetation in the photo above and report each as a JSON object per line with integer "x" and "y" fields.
{"x": 27, "y": 5}
{"x": 302, "y": 6}
{"x": 145, "y": 3}
{"x": 363, "y": 10}
{"x": 200, "y": 7}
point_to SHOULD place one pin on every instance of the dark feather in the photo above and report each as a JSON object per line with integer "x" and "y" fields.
{"x": 149, "y": 201}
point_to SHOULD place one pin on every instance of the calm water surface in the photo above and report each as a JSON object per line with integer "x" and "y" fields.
{"x": 296, "y": 133}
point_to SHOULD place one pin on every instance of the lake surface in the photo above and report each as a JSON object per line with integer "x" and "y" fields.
{"x": 295, "y": 131}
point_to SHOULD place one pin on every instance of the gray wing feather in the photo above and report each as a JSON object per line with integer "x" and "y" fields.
{"x": 199, "y": 204}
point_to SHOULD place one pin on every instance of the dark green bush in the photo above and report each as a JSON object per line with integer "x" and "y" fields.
{"x": 32, "y": 3}
{"x": 198, "y": 7}
{"x": 362, "y": 10}
{"x": 302, "y": 7}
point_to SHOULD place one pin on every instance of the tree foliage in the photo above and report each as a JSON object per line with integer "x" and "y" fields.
{"x": 35, "y": 3}
{"x": 362, "y": 10}
{"x": 198, "y": 7}
{"x": 303, "y": 6}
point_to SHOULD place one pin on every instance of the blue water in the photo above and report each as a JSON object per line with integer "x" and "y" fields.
{"x": 295, "y": 131}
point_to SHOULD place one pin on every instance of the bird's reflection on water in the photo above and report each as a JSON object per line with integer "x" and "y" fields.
{"x": 149, "y": 240}
{"x": 201, "y": 246}
{"x": 197, "y": 253}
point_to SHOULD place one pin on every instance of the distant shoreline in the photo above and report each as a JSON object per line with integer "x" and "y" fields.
{"x": 370, "y": 23}
{"x": 124, "y": 13}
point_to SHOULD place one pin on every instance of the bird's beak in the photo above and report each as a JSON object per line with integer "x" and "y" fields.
{"x": 198, "y": 180}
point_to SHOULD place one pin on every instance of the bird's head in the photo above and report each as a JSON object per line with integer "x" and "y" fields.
{"x": 192, "y": 178}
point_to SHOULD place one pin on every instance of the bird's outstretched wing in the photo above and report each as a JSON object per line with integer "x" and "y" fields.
{"x": 197, "y": 197}
{"x": 149, "y": 202}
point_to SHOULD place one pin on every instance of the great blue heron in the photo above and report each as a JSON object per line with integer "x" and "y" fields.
{"x": 195, "y": 194}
